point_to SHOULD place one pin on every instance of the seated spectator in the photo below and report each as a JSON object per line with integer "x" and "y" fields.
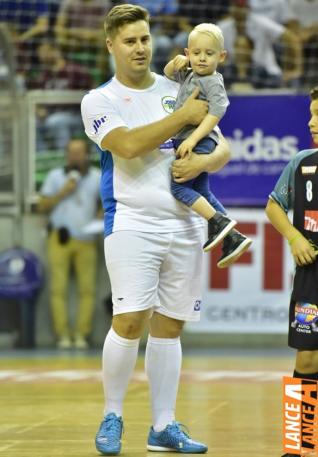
{"x": 57, "y": 124}
{"x": 79, "y": 33}
{"x": 55, "y": 72}
{"x": 250, "y": 39}
{"x": 70, "y": 197}
{"x": 306, "y": 27}
{"x": 27, "y": 21}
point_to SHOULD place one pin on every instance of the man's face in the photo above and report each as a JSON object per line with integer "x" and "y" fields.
{"x": 77, "y": 155}
{"x": 313, "y": 123}
{"x": 131, "y": 48}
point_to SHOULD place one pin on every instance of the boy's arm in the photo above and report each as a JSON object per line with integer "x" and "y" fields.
{"x": 179, "y": 63}
{"x": 185, "y": 169}
{"x": 203, "y": 129}
{"x": 301, "y": 249}
{"x": 208, "y": 124}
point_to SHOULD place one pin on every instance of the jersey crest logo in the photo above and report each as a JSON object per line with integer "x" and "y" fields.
{"x": 168, "y": 103}
{"x": 309, "y": 170}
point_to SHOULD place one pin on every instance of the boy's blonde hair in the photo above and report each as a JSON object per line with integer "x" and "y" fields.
{"x": 212, "y": 30}
{"x": 121, "y": 15}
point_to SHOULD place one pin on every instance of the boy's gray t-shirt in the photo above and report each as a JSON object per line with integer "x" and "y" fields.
{"x": 211, "y": 89}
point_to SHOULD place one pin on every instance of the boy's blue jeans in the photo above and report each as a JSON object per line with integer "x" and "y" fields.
{"x": 189, "y": 192}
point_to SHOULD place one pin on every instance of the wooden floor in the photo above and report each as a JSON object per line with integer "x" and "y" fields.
{"x": 51, "y": 404}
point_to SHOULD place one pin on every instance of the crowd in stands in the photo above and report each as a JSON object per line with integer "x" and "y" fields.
{"x": 59, "y": 44}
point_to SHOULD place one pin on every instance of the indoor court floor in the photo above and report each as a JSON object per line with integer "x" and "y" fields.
{"x": 51, "y": 403}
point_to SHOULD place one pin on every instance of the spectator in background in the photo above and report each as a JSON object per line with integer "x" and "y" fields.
{"x": 70, "y": 196}
{"x": 79, "y": 33}
{"x": 55, "y": 72}
{"x": 305, "y": 26}
{"x": 57, "y": 124}
{"x": 191, "y": 13}
{"x": 249, "y": 39}
{"x": 28, "y": 21}
{"x": 278, "y": 11}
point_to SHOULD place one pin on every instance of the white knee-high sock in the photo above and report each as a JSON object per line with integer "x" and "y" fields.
{"x": 163, "y": 367}
{"x": 119, "y": 360}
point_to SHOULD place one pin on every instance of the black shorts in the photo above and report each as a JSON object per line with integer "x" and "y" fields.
{"x": 303, "y": 325}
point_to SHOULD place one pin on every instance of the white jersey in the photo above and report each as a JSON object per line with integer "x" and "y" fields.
{"x": 136, "y": 192}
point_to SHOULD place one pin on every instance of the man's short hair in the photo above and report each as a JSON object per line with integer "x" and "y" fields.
{"x": 120, "y": 15}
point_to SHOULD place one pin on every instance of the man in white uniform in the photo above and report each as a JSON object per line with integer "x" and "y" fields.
{"x": 153, "y": 244}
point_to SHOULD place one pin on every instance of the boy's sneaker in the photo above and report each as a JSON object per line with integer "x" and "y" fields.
{"x": 218, "y": 227}
{"x": 234, "y": 245}
{"x": 173, "y": 439}
{"x": 108, "y": 438}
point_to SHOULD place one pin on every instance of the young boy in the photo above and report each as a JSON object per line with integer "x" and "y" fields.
{"x": 297, "y": 189}
{"x": 205, "y": 52}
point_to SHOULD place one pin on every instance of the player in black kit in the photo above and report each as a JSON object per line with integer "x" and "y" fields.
{"x": 297, "y": 189}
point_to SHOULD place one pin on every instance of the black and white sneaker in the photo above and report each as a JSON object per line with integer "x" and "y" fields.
{"x": 234, "y": 245}
{"x": 218, "y": 227}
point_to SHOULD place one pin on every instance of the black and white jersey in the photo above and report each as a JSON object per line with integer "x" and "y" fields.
{"x": 297, "y": 189}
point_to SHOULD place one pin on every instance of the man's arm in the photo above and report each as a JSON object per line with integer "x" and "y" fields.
{"x": 46, "y": 204}
{"x": 191, "y": 167}
{"x": 301, "y": 249}
{"x": 39, "y": 28}
{"x": 131, "y": 143}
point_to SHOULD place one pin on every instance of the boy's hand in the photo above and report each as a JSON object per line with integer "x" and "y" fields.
{"x": 302, "y": 251}
{"x": 180, "y": 62}
{"x": 185, "y": 148}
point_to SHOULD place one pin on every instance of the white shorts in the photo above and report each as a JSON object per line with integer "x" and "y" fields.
{"x": 156, "y": 270}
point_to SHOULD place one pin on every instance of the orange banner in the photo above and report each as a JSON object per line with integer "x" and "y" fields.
{"x": 300, "y": 416}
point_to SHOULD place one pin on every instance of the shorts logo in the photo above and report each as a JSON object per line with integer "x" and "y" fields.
{"x": 168, "y": 103}
{"x": 311, "y": 221}
{"x": 98, "y": 122}
{"x": 197, "y": 305}
{"x": 306, "y": 317}
{"x": 309, "y": 170}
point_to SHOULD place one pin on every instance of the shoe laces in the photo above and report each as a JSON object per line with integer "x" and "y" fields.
{"x": 180, "y": 431}
{"x": 112, "y": 426}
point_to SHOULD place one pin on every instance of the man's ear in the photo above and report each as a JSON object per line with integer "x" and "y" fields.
{"x": 186, "y": 52}
{"x": 109, "y": 45}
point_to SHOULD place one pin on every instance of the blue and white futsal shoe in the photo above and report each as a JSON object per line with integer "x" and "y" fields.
{"x": 174, "y": 439}
{"x": 108, "y": 438}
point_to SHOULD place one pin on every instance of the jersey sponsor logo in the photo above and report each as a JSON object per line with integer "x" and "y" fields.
{"x": 311, "y": 220}
{"x": 98, "y": 122}
{"x": 168, "y": 103}
{"x": 309, "y": 170}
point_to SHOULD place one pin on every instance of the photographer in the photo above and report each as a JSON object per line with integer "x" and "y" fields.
{"x": 70, "y": 196}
